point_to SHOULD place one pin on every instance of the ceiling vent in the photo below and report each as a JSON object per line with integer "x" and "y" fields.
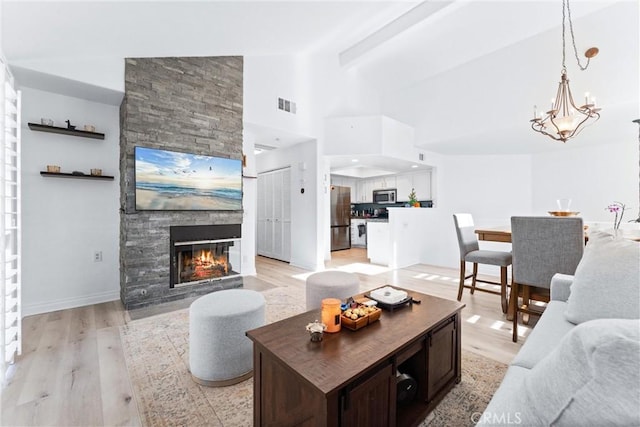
{"x": 286, "y": 105}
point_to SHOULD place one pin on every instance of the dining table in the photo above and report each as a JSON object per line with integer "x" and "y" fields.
{"x": 503, "y": 234}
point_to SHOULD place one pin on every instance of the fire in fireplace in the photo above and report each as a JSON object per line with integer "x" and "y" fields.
{"x": 204, "y": 260}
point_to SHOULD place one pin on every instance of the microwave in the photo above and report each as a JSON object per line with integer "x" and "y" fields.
{"x": 385, "y": 196}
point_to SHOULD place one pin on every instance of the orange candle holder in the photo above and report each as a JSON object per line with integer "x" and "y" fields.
{"x": 331, "y": 314}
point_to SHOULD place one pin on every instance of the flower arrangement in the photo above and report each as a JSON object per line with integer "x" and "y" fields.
{"x": 413, "y": 199}
{"x": 617, "y": 208}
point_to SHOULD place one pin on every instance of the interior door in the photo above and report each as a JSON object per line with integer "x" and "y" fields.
{"x": 274, "y": 214}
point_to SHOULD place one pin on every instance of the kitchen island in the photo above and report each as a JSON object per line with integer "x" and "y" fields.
{"x": 399, "y": 242}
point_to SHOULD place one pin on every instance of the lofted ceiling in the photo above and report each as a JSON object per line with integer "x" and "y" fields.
{"x": 465, "y": 74}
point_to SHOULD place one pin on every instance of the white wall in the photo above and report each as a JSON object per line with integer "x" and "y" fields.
{"x": 491, "y": 188}
{"x": 267, "y": 78}
{"x": 592, "y": 177}
{"x": 306, "y": 222}
{"x": 66, "y": 220}
{"x": 249, "y": 206}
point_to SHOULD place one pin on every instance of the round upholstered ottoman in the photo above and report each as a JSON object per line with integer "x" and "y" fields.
{"x": 330, "y": 284}
{"x": 220, "y": 354}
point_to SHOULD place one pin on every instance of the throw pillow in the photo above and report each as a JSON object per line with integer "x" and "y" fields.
{"x": 606, "y": 283}
{"x": 590, "y": 379}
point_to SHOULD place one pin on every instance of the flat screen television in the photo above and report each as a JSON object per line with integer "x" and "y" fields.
{"x": 168, "y": 180}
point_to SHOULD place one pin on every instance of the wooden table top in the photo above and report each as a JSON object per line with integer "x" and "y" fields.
{"x": 342, "y": 356}
{"x": 503, "y": 234}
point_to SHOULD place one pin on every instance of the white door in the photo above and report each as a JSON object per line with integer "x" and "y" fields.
{"x": 274, "y": 214}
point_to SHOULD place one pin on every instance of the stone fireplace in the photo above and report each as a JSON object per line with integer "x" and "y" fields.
{"x": 203, "y": 253}
{"x": 192, "y": 105}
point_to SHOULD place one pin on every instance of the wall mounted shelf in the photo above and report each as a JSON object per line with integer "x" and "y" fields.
{"x": 65, "y": 131}
{"x": 70, "y": 175}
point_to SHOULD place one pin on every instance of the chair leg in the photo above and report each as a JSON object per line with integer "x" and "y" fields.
{"x": 462, "y": 273}
{"x": 473, "y": 280}
{"x": 503, "y": 289}
{"x": 514, "y": 300}
{"x": 526, "y": 301}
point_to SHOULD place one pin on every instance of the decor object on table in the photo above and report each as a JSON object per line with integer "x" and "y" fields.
{"x": 617, "y": 208}
{"x": 69, "y": 125}
{"x": 53, "y": 168}
{"x": 96, "y": 172}
{"x": 331, "y": 314}
{"x": 565, "y": 119}
{"x": 316, "y": 329}
{"x": 90, "y": 128}
{"x": 413, "y": 199}
{"x": 46, "y": 122}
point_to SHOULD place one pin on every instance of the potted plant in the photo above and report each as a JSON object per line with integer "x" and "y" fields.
{"x": 413, "y": 199}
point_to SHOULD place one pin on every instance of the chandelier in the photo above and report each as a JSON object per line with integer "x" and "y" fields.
{"x": 565, "y": 119}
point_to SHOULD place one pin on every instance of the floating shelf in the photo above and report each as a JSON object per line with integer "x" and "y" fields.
{"x": 65, "y": 131}
{"x": 70, "y": 175}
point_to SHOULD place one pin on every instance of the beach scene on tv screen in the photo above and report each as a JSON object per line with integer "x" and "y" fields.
{"x": 168, "y": 180}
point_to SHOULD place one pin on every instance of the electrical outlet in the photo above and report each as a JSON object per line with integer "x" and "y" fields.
{"x": 97, "y": 256}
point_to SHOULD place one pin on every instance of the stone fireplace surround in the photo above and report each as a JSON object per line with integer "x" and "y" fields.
{"x": 181, "y": 104}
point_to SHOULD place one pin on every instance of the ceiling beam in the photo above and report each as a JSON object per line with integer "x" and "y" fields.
{"x": 424, "y": 10}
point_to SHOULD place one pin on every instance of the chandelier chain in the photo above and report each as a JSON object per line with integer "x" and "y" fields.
{"x": 573, "y": 38}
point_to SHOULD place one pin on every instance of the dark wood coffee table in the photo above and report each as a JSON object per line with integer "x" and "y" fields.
{"x": 349, "y": 378}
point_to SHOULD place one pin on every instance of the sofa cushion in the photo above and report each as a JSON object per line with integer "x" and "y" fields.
{"x": 591, "y": 378}
{"x": 547, "y": 334}
{"x": 607, "y": 281}
{"x": 501, "y": 409}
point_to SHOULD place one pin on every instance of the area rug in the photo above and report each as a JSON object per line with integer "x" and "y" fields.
{"x": 156, "y": 353}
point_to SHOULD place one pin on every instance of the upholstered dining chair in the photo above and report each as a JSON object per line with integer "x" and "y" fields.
{"x": 470, "y": 252}
{"x": 541, "y": 246}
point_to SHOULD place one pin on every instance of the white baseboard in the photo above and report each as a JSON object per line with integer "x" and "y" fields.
{"x": 63, "y": 304}
{"x": 305, "y": 265}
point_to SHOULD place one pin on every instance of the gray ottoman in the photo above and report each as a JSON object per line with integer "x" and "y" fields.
{"x": 330, "y": 284}
{"x": 220, "y": 354}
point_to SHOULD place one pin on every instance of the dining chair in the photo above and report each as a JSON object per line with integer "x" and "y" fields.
{"x": 470, "y": 252}
{"x": 541, "y": 246}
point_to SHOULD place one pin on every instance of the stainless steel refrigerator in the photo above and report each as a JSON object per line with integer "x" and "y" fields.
{"x": 340, "y": 218}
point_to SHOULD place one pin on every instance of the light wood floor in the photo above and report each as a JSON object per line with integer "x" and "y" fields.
{"x": 72, "y": 370}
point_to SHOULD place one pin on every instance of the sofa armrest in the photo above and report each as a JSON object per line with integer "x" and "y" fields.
{"x": 561, "y": 287}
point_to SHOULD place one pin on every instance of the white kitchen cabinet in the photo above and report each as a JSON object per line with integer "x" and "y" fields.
{"x": 365, "y": 191}
{"x": 420, "y": 181}
{"x": 274, "y": 214}
{"x": 422, "y": 185}
{"x": 404, "y": 184}
{"x": 378, "y": 242}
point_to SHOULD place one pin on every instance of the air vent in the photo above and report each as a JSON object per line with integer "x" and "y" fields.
{"x": 286, "y": 105}
{"x": 421, "y": 157}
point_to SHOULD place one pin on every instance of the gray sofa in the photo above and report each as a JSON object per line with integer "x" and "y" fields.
{"x": 580, "y": 366}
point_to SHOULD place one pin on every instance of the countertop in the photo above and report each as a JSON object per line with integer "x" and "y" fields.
{"x": 371, "y": 219}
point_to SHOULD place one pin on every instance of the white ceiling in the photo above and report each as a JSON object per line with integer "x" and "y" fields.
{"x": 465, "y": 74}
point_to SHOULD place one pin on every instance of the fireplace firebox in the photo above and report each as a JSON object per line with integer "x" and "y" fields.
{"x": 203, "y": 253}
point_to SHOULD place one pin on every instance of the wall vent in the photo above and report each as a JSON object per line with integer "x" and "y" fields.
{"x": 421, "y": 156}
{"x": 287, "y": 105}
